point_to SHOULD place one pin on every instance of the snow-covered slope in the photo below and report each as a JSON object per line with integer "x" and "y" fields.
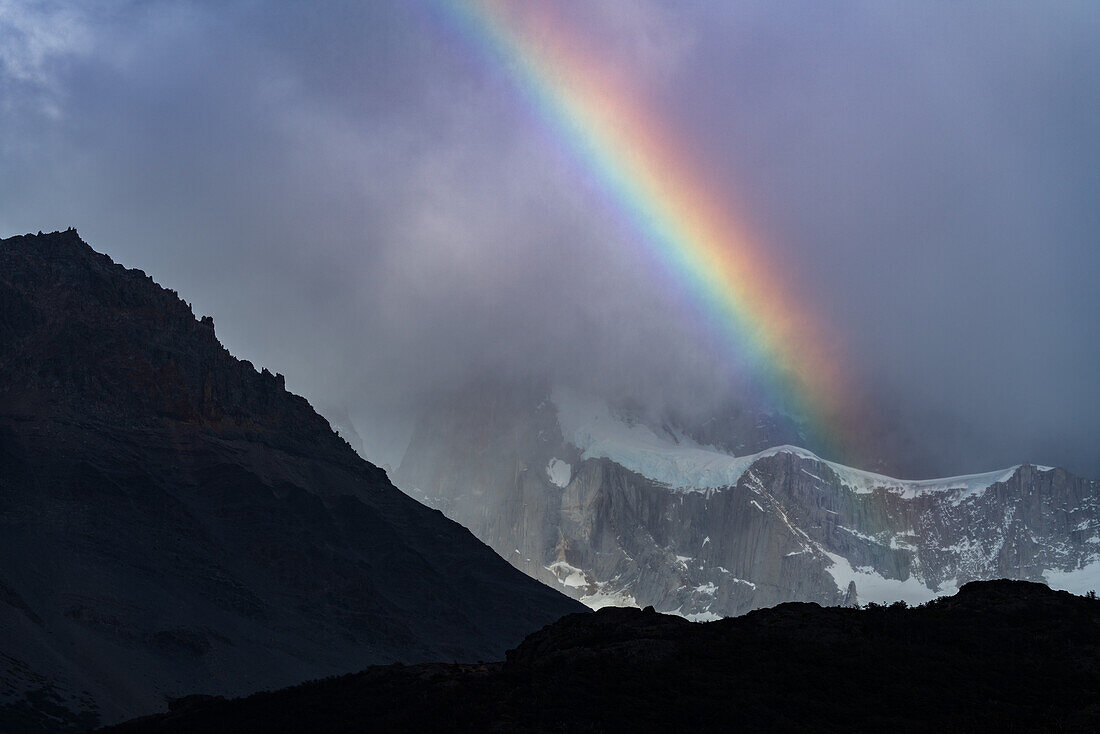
{"x": 677, "y": 461}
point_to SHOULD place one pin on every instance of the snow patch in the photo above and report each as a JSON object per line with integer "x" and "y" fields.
{"x": 968, "y": 486}
{"x": 568, "y": 575}
{"x": 707, "y": 616}
{"x": 597, "y": 595}
{"x": 897, "y": 542}
{"x": 811, "y": 474}
{"x": 873, "y": 587}
{"x": 600, "y": 599}
{"x": 559, "y": 472}
{"x": 861, "y": 536}
{"x": 1078, "y": 581}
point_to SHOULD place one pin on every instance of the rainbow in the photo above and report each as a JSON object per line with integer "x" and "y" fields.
{"x": 668, "y": 203}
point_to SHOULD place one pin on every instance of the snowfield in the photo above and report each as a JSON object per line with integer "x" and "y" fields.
{"x": 874, "y": 587}
{"x": 681, "y": 463}
{"x": 1078, "y": 581}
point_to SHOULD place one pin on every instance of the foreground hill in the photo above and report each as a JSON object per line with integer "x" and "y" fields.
{"x": 173, "y": 520}
{"x": 997, "y": 656}
{"x": 614, "y": 507}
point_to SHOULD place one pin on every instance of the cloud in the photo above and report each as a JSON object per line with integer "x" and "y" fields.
{"x": 367, "y": 206}
{"x": 34, "y": 38}
{"x": 34, "y": 35}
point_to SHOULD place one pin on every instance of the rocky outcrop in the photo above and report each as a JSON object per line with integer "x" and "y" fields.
{"x": 173, "y": 521}
{"x": 614, "y": 512}
{"x": 997, "y": 656}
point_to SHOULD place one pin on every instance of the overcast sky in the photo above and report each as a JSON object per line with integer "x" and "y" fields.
{"x": 366, "y": 205}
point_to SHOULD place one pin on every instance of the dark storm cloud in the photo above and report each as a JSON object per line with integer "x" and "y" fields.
{"x": 366, "y": 207}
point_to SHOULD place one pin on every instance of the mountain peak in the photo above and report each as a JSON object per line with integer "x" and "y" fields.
{"x": 176, "y": 521}
{"x": 81, "y": 330}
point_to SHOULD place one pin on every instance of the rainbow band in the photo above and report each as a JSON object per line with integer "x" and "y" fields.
{"x": 669, "y": 204}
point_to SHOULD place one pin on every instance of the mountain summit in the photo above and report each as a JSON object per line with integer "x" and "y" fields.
{"x": 174, "y": 521}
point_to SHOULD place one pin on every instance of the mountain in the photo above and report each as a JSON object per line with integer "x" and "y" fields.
{"x": 173, "y": 521}
{"x": 998, "y": 656}
{"x": 615, "y": 508}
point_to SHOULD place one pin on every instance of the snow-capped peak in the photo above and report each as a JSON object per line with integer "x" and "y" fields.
{"x": 589, "y": 424}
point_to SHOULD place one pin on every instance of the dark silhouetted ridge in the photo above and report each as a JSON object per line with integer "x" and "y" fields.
{"x": 173, "y": 521}
{"x": 997, "y": 656}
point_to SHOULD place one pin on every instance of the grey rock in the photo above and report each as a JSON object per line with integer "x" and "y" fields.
{"x": 791, "y": 528}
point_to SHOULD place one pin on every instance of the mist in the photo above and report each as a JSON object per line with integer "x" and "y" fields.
{"x": 365, "y": 205}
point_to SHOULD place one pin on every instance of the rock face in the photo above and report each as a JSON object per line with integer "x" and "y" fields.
{"x": 173, "y": 521}
{"x": 614, "y": 511}
{"x": 997, "y": 656}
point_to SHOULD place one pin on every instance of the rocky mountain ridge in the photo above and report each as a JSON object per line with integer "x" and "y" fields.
{"x": 174, "y": 521}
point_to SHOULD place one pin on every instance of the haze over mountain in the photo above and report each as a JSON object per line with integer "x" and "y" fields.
{"x": 174, "y": 521}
